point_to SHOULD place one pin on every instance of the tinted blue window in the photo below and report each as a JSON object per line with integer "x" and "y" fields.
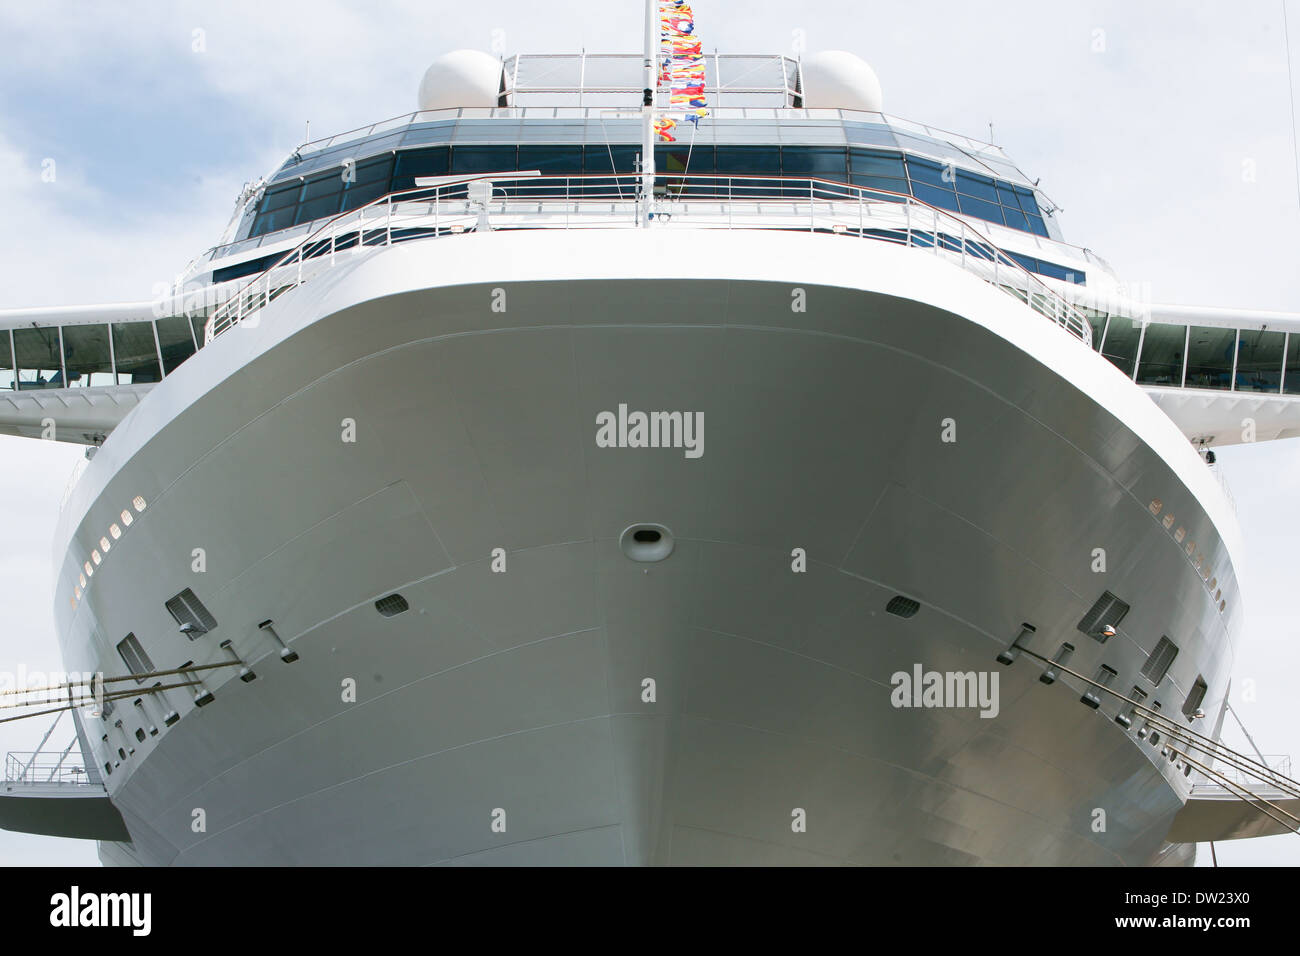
{"x": 943, "y": 198}
{"x": 980, "y": 208}
{"x": 419, "y": 162}
{"x": 981, "y": 187}
{"x": 1036, "y": 226}
{"x": 822, "y": 162}
{"x": 876, "y": 163}
{"x": 1015, "y": 219}
{"x": 1027, "y": 202}
{"x": 327, "y": 185}
{"x": 483, "y": 159}
{"x": 1029, "y": 262}
{"x": 552, "y": 160}
{"x": 879, "y": 182}
{"x": 924, "y": 171}
{"x": 372, "y": 171}
{"x": 1007, "y": 196}
{"x": 598, "y": 159}
{"x": 748, "y": 160}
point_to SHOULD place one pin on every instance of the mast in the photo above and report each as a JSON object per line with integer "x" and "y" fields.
{"x": 648, "y": 108}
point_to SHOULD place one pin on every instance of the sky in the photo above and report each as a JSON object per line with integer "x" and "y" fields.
{"x": 1164, "y": 130}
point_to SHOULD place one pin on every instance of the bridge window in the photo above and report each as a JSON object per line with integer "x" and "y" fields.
{"x": 1291, "y": 380}
{"x": 1163, "y": 348}
{"x": 277, "y": 208}
{"x": 370, "y": 180}
{"x": 483, "y": 159}
{"x": 1209, "y": 357}
{"x": 421, "y": 163}
{"x": 1121, "y": 342}
{"x": 6, "y": 361}
{"x": 136, "y": 353}
{"x": 39, "y": 362}
{"x": 86, "y": 354}
{"x": 1259, "y": 360}
{"x": 176, "y": 338}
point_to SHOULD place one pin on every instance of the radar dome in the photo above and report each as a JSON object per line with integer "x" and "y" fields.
{"x": 461, "y": 78}
{"x": 838, "y": 80}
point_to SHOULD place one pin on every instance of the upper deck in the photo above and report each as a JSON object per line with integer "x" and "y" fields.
{"x": 761, "y": 159}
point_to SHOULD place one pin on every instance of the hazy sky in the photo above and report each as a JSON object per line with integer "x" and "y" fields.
{"x": 1164, "y": 130}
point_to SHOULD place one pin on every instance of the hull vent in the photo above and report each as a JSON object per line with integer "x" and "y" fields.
{"x": 136, "y": 660}
{"x": 185, "y": 608}
{"x": 1108, "y": 611}
{"x": 1157, "y": 665}
{"x": 392, "y": 605}
{"x": 902, "y": 607}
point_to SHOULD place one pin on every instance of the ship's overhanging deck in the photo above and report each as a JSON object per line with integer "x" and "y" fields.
{"x": 114, "y": 354}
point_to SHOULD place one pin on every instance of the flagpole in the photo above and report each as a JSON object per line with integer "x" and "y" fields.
{"x": 648, "y": 109}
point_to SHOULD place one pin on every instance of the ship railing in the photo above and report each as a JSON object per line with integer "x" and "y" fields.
{"x": 47, "y": 767}
{"x": 508, "y": 201}
{"x": 1278, "y": 764}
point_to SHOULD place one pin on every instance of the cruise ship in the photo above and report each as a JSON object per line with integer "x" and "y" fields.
{"x": 640, "y": 459}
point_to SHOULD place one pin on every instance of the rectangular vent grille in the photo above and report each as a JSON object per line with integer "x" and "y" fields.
{"x": 133, "y": 655}
{"x": 188, "y": 609}
{"x": 1108, "y": 610}
{"x": 1194, "y": 700}
{"x": 1157, "y": 665}
{"x": 391, "y": 605}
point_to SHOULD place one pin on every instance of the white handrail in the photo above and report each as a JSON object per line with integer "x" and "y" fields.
{"x": 596, "y": 201}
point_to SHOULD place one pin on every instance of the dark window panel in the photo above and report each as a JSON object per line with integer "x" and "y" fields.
{"x": 174, "y": 337}
{"x": 1015, "y": 218}
{"x": 1037, "y": 226}
{"x": 198, "y": 321}
{"x": 928, "y": 172}
{"x": 821, "y": 162}
{"x": 598, "y": 159}
{"x": 943, "y": 198}
{"x": 278, "y": 197}
{"x": 1007, "y": 196}
{"x": 1027, "y": 202}
{"x": 1291, "y": 384}
{"x": 273, "y": 221}
{"x": 135, "y": 352}
{"x": 981, "y": 187}
{"x": 321, "y": 208}
{"x": 980, "y": 208}
{"x": 6, "y": 361}
{"x": 483, "y": 159}
{"x": 748, "y": 160}
{"x": 419, "y": 162}
{"x": 1209, "y": 357}
{"x": 86, "y": 355}
{"x": 873, "y": 162}
{"x": 39, "y": 363}
{"x": 1259, "y": 360}
{"x": 360, "y": 195}
{"x": 881, "y": 183}
{"x": 609, "y": 159}
{"x": 1121, "y": 343}
{"x": 329, "y": 184}
{"x": 1098, "y": 323}
{"x": 374, "y": 170}
{"x": 1054, "y": 271}
{"x": 552, "y": 160}
{"x": 1161, "y": 362}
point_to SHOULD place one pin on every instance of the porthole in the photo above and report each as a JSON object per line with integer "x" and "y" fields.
{"x": 126, "y": 518}
{"x": 138, "y": 502}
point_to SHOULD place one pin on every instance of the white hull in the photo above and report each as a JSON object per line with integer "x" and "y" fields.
{"x": 523, "y": 690}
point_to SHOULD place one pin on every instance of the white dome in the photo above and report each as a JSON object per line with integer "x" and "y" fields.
{"x": 838, "y": 80}
{"x": 461, "y": 78}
